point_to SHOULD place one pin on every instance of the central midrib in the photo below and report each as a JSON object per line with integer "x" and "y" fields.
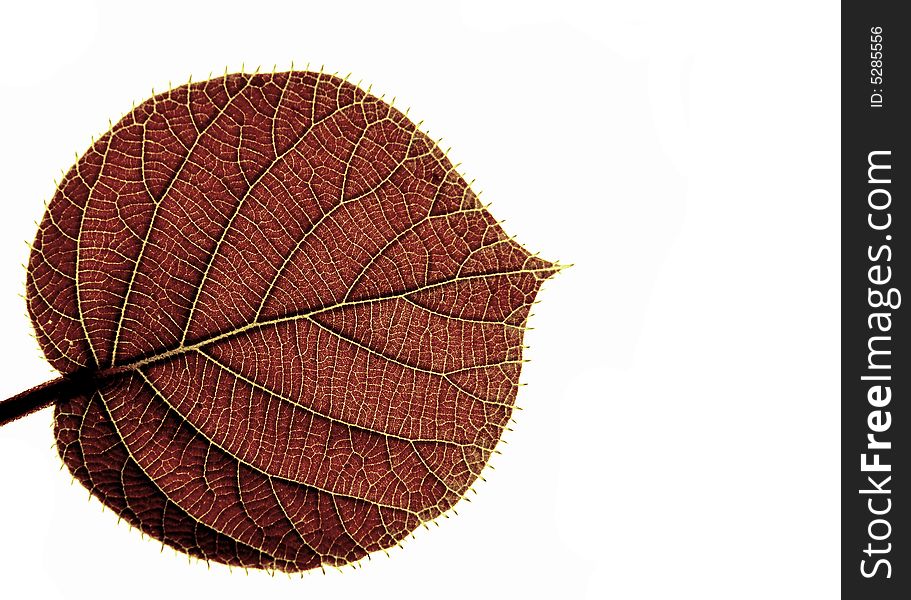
{"x": 116, "y": 370}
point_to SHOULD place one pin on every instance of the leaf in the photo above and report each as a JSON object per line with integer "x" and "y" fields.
{"x": 291, "y": 332}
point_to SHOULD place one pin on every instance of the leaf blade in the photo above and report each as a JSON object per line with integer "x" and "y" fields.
{"x": 307, "y": 328}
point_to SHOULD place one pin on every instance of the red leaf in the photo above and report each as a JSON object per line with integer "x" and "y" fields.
{"x": 301, "y": 330}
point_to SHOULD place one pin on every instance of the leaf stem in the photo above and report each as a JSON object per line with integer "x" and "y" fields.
{"x": 44, "y": 395}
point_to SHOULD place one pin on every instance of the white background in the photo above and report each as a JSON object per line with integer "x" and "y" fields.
{"x": 680, "y": 431}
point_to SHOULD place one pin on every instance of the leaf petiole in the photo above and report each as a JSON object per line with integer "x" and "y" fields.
{"x": 48, "y": 393}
